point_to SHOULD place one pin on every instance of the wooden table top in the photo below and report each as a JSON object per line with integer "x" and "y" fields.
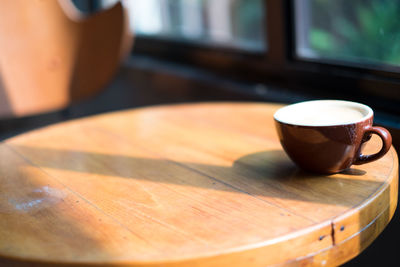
{"x": 181, "y": 185}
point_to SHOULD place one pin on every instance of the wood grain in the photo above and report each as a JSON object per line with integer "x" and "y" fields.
{"x": 201, "y": 184}
{"x": 51, "y": 55}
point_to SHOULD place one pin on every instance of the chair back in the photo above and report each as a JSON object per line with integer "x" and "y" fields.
{"x": 51, "y": 55}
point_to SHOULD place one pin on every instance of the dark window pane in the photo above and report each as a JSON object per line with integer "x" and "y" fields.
{"x": 356, "y": 31}
{"x": 227, "y": 23}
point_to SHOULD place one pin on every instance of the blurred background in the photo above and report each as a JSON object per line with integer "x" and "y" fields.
{"x": 365, "y": 31}
{"x": 222, "y": 50}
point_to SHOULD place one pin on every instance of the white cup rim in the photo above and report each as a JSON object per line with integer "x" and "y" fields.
{"x": 281, "y": 114}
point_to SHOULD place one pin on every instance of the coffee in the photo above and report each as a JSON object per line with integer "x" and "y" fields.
{"x": 322, "y": 113}
{"x": 326, "y": 136}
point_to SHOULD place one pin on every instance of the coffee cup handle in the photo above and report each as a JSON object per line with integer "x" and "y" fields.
{"x": 386, "y": 144}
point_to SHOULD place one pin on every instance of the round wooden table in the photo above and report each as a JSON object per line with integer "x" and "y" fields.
{"x": 182, "y": 185}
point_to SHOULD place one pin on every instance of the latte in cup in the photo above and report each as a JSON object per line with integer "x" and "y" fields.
{"x": 323, "y": 113}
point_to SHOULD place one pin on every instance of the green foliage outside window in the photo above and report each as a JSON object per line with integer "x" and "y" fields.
{"x": 358, "y": 29}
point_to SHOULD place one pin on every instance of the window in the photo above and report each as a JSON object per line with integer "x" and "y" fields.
{"x": 224, "y": 23}
{"x": 318, "y": 48}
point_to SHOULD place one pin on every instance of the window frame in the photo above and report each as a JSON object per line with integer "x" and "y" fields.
{"x": 279, "y": 65}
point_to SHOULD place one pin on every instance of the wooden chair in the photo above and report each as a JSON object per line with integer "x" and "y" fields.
{"x": 51, "y": 55}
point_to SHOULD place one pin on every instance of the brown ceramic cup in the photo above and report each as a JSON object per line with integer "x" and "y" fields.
{"x": 326, "y": 136}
